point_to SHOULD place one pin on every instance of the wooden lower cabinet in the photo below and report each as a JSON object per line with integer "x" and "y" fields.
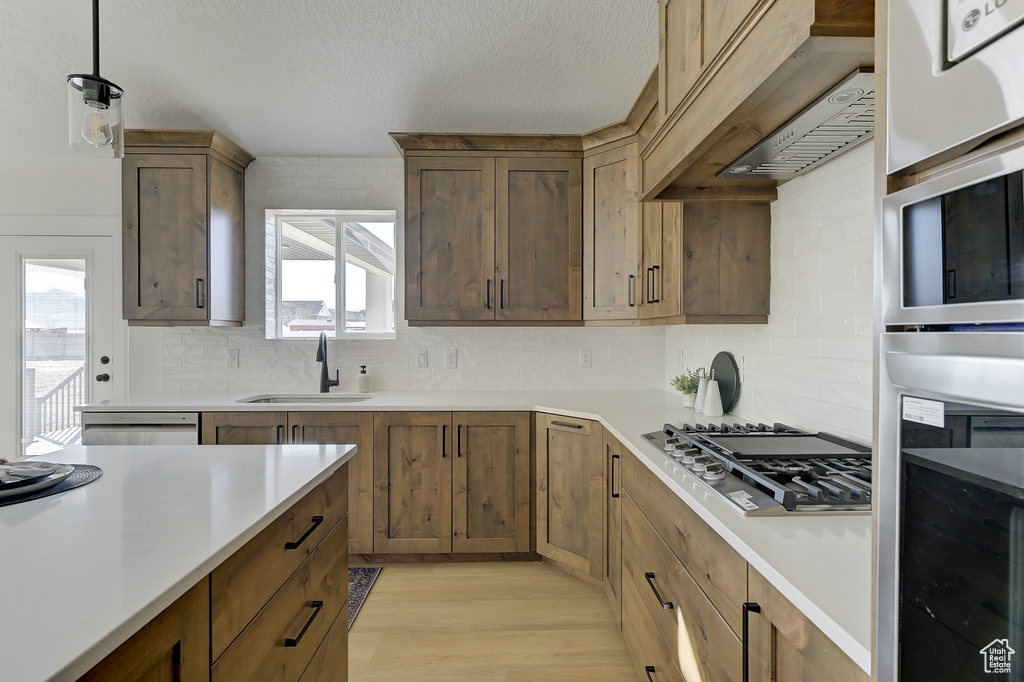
{"x": 698, "y": 639}
{"x": 570, "y": 494}
{"x": 173, "y": 647}
{"x": 612, "y": 582}
{"x": 491, "y": 482}
{"x": 412, "y": 473}
{"x": 786, "y": 647}
{"x": 652, "y": 659}
{"x": 322, "y": 427}
{"x": 268, "y": 612}
{"x": 451, "y": 482}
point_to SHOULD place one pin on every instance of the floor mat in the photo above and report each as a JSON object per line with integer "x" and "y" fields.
{"x": 360, "y": 580}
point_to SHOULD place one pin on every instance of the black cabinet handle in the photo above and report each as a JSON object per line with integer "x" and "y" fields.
{"x": 629, "y": 291}
{"x": 103, "y": 377}
{"x": 488, "y": 304}
{"x": 200, "y": 295}
{"x": 649, "y": 669}
{"x": 654, "y": 283}
{"x": 650, "y": 581}
{"x": 280, "y": 431}
{"x": 748, "y": 608}
{"x": 317, "y": 605}
{"x": 614, "y": 493}
{"x": 295, "y": 433}
{"x": 444, "y": 440}
{"x": 501, "y": 295}
{"x": 650, "y": 284}
{"x": 571, "y": 426}
{"x": 317, "y": 520}
{"x": 458, "y": 442}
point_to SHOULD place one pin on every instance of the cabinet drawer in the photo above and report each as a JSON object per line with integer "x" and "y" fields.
{"x": 262, "y": 651}
{"x": 699, "y": 641}
{"x": 651, "y": 657}
{"x": 249, "y": 577}
{"x": 716, "y": 567}
{"x": 330, "y": 661}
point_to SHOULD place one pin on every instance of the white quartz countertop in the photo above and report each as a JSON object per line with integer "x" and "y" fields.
{"x": 82, "y": 570}
{"x": 820, "y": 563}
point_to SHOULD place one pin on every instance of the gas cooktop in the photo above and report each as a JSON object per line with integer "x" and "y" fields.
{"x": 772, "y": 470}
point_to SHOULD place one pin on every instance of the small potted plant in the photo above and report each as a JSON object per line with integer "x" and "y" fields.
{"x": 687, "y": 383}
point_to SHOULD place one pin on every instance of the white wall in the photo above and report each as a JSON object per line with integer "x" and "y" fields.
{"x": 506, "y": 358}
{"x": 811, "y": 365}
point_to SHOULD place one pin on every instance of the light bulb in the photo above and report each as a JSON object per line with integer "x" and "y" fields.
{"x": 96, "y": 128}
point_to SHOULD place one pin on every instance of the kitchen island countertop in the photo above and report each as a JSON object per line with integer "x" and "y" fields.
{"x": 85, "y": 569}
{"x": 822, "y": 564}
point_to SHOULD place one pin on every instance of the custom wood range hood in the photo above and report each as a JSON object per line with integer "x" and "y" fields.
{"x": 731, "y": 76}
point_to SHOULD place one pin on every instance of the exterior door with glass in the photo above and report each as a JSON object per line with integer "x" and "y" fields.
{"x": 58, "y": 344}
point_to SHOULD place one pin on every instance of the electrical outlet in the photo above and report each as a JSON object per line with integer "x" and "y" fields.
{"x": 421, "y": 358}
{"x": 586, "y": 357}
{"x": 232, "y": 357}
{"x": 450, "y": 359}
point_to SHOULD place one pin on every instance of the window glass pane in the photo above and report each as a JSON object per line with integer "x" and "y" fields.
{"x": 53, "y": 353}
{"x": 308, "y": 300}
{"x": 369, "y": 276}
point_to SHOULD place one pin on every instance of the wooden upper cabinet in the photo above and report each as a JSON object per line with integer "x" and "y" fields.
{"x": 611, "y": 221}
{"x": 491, "y": 482}
{"x": 492, "y": 236}
{"x": 412, "y": 479}
{"x": 183, "y": 196}
{"x": 784, "y": 646}
{"x": 570, "y": 494}
{"x": 680, "y": 50}
{"x": 538, "y": 238}
{"x": 661, "y": 239}
{"x": 449, "y": 244}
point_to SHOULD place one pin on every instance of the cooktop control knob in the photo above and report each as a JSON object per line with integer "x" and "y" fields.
{"x": 701, "y": 462}
{"x": 673, "y": 444}
{"x": 714, "y": 472}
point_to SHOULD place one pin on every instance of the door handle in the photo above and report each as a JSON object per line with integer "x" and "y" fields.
{"x": 501, "y": 295}
{"x": 650, "y": 285}
{"x": 444, "y": 440}
{"x": 614, "y": 457}
{"x": 654, "y": 283}
{"x": 629, "y": 292}
{"x": 488, "y": 303}
{"x": 649, "y": 669}
{"x": 458, "y": 441}
{"x": 317, "y": 605}
{"x": 103, "y": 377}
{"x": 748, "y": 608}
{"x": 316, "y": 520}
{"x": 570, "y": 426}
{"x": 650, "y": 581}
{"x": 200, "y": 293}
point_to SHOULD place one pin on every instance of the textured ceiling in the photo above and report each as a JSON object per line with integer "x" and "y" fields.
{"x": 328, "y": 78}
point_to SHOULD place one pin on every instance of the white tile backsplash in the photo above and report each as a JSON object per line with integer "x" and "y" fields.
{"x": 810, "y": 366}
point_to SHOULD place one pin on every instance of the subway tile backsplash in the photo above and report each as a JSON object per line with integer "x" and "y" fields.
{"x": 810, "y": 366}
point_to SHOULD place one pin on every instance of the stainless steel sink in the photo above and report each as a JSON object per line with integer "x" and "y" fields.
{"x": 322, "y": 398}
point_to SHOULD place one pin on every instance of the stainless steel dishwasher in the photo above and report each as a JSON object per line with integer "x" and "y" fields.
{"x": 140, "y": 428}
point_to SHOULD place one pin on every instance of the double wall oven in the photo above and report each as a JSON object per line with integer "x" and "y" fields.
{"x": 949, "y": 480}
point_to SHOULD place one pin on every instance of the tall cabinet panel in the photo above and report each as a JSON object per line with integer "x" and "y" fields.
{"x": 570, "y": 494}
{"x": 412, "y": 479}
{"x": 449, "y": 263}
{"x": 491, "y": 482}
{"x": 538, "y": 238}
{"x": 611, "y": 220}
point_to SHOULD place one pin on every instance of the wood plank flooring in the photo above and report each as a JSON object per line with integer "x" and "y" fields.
{"x": 485, "y": 622}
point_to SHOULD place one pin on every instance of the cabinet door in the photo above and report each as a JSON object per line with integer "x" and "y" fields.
{"x": 726, "y": 259}
{"x": 680, "y": 51}
{"x": 786, "y": 647}
{"x": 173, "y": 647}
{"x": 412, "y": 499}
{"x": 612, "y": 581}
{"x": 539, "y": 238}
{"x": 661, "y": 242}
{"x": 611, "y": 220}
{"x": 165, "y": 201}
{"x": 449, "y": 243}
{"x": 491, "y": 482}
{"x": 244, "y": 428}
{"x": 570, "y": 495}
{"x": 346, "y": 427}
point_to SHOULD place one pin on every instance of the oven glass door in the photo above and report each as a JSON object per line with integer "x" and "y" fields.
{"x": 961, "y": 565}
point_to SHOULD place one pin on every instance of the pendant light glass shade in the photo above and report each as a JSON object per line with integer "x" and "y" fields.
{"x": 95, "y": 117}
{"x": 95, "y": 106}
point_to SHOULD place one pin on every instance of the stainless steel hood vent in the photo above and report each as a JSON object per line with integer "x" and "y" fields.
{"x": 841, "y": 119}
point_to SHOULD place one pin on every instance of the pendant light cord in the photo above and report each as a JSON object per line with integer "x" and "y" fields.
{"x": 96, "y": 37}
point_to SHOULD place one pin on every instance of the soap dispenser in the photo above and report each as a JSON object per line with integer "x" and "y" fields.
{"x": 362, "y": 380}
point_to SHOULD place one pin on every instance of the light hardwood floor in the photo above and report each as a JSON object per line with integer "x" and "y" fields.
{"x": 485, "y": 622}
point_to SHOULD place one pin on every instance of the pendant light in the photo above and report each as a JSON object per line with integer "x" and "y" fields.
{"x": 95, "y": 116}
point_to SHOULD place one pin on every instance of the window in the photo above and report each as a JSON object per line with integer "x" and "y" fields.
{"x": 317, "y": 258}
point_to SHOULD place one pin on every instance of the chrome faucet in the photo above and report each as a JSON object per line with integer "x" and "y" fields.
{"x": 325, "y": 374}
